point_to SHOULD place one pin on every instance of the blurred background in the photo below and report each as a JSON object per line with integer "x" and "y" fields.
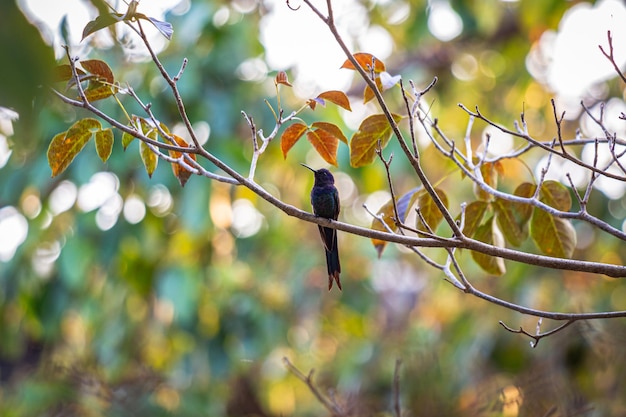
{"x": 127, "y": 295}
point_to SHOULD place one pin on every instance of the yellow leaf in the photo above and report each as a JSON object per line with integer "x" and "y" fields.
{"x": 429, "y": 210}
{"x": 373, "y": 129}
{"x": 552, "y": 235}
{"x": 150, "y": 159}
{"x": 66, "y": 145}
{"x": 104, "y": 143}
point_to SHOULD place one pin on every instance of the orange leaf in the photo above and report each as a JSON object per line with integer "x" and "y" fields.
{"x": 338, "y": 97}
{"x": 365, "y": 61}
{"x": 290, "y": 136}
{"x": 179, "y": 171}
{"x": 325, "y": 144}
{"x": 368, "y": 93}
{"x": 364, "y": 142}
{"x": 386, "y": 213}
{"x": 332, "y": 129}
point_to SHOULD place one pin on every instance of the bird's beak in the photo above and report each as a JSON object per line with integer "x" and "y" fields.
{"x": 306, "y": 166}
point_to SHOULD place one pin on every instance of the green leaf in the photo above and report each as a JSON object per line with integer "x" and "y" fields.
{"x": 101, "y": 22}
{"x": 364, "y": 142}
{"x": 65, "y": 146}
{"x": 150, "y": 159}
{"x": 429, "y": 210}
{"x": 474, "y": 213}
{"x": 556, "y": 195}
{"x": 524, "y": 211}
{"x": 552, "y": 235}
{"x": 490, "y": 234}
{"x": 513, "y": 228}
{"x": 99, "y": 68}
{"x": 325, "y": 144}
{"x": 104, "y": 143}
{"x": 127, "y": 138}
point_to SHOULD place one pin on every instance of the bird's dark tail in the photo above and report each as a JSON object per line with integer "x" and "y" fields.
{"x": 329, "y": 237}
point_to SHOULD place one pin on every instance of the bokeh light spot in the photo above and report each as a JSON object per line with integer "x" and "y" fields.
{"x": 13, "y": 230}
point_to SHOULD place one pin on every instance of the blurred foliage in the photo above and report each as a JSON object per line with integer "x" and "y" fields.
{"x": 190, "y": 311}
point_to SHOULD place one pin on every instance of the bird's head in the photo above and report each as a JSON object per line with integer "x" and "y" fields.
{"x": 322, "y": 176}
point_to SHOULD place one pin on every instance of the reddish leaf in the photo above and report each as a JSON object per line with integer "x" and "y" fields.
{"x": 179, "y": 171}
{"x": 325, "y": 144}
{"x": 364, "y": 142}
{"x": 99, "y": 68}
{"x": 281, "y": 78}
{"x": 365, "y": 61}
{"x": 332, "y": 129}
{"x": 290, "y": 136}
{"x": 65, "y": 146}
{"x": 338, "y": 97}
{"x": 104, "y": 143}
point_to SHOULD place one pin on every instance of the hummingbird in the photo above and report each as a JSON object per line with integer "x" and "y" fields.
{"x": 325, "y": 202}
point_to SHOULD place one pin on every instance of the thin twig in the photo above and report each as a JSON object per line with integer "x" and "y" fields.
{"x": 538, "y": 335}
{"x": 611, "y": 57}
{"x": 330, "y": 405}
{"x": 396, "y": 389}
